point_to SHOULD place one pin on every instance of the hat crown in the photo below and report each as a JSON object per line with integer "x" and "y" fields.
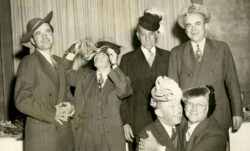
{"x": 150, "y": 21}
{"x": 32, "y": 23}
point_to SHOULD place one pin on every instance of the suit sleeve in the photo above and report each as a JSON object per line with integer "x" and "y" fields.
{"x": 24, "y": 94}
{"x": 122, "y": 83}
{"x": 125, "y": 112}
{"x": 232, "y": 84}
{"x": 173, "y": 66}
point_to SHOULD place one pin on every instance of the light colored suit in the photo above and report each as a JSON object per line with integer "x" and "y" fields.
{"x": 39, "y": 87}
{"x": 216, "y": 69}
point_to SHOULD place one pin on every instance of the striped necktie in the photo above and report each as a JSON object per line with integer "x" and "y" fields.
{"x": 100, "y": 80}
{"x": 198, "y": 53}
{"x": 53, "y": 62}
{"x": 150, "y": 58}
{"x": 188, "y": 134}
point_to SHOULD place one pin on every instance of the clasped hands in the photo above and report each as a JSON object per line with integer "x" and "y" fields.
{"x": 64, "y": 111}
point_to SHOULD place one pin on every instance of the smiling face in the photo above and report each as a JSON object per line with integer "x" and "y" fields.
{"x": 43, "y": 37}
{"x": 196, "y": 108}
{"x": 169, "y": 112}
{"x": 146, "y": 37}
{"x": 195, "y": 27}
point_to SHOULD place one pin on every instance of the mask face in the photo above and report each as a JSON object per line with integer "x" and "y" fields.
{"x": 43, "y": 37}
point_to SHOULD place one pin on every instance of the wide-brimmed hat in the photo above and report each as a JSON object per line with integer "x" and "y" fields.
{"x": 194, "y": 8}
{"x": 151, "y": 19}
{"x": 33, "y": 24}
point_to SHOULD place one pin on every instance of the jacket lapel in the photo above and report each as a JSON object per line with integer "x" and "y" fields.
{"x": 140, "y": 67}
{"x": 47, "y": 68}
{"x": 163, "y": 136}
{"x": 198, "y": 130}
{"x": 188, "y": 58}
{"x": 108, "y": 86}
{"x": 208, "y": 58}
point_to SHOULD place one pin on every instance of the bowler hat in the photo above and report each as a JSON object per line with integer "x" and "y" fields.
{"x": 33, "y": 24}
{"x": 194, "y": 8}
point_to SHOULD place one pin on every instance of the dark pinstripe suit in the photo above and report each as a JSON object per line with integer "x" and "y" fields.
{"x": 97, "y": 121}
{"x": 39, "y": 87}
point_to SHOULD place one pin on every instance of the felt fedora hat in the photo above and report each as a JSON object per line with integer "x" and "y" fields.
{"x": 104, "y": 45}
{"x": 33, "y": 24}
{"x": 195, "y": 7}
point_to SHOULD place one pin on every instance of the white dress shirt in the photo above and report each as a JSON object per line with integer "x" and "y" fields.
{"x": 46, "y": 56}
{"x": 191, "y": 128}
{"x": 146, "y": 53}
{"x": 104, "y": 75}
{"x": 201, "y": 45}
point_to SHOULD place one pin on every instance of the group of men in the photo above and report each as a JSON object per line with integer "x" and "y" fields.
{"x": 135, "y": 101}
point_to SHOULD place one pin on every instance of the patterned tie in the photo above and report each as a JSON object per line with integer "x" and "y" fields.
{"x": 173, "y": 136}
{"x": 100, "y": 80}
{"x": 53, "y": 62}
{"x": 150, "y": 58}
{"x": 198, "y": 53}
{"x": 188, "y": 134}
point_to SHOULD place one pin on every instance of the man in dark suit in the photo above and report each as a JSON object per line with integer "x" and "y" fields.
{"x": 98, "y": 96}
{"x": 40, "y": 90}
{"x": 202, "y": 131}
{"x": 202, "y": 61}
{"x": 166, "y": 100}
{"x": 143, "y": 66}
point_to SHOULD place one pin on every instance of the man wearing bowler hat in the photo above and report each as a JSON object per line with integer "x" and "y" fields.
{"x": 143, "y": 65}
{"x": 97, "y": 124}
{"x": 203, "y": 61}
{"x": 40, "y": 92}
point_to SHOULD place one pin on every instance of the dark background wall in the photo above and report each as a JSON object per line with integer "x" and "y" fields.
{"x": 231, "y": 23}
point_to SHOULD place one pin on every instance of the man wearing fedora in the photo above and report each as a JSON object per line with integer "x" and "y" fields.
{"x": 203, "y": 61}
{"x": 40, "y": 92}
{"x": 143, "y": 65}
{"x": 97, "y": 123}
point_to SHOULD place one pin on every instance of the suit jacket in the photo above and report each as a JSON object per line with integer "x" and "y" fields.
{"x": 136, "y": 110}
{"x": 161, "y": 135}
{"x": 89, "y": 118}
{"x": 217, "y": 69}
{"x": 39, "y": 87}
{"x": 207, "y": 136}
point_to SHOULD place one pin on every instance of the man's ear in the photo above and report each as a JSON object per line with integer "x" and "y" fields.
{"x": 32, "y": 41}
{"x": 138, "y": 35}
{"x": 158, "y": 113}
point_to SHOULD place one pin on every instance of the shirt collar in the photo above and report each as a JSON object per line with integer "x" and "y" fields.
{"x": 168, "y": 128}
{"x": 191, "y": 127}
{"x": 104, "y": 75}
{"x": 201, "y": 45}
{"x": 46, "y": 56}
{"x": 146, "y": 53}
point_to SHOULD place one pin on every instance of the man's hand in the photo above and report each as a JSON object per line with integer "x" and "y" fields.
{"x": 150, "y": 144}
{"x": 237, "y": 121}
{"x": 128, "y": 132}
{"x": 113, "y": 57}
{"x": 64, "y": 110}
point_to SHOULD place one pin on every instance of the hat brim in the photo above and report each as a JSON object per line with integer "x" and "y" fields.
{"x": 202, "y": 10}
{"x": 26, "y": 37}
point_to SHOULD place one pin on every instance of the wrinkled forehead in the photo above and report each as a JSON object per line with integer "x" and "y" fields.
{"x": 197, "y": 100}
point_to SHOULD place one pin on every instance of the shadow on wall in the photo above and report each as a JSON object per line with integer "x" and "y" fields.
{"x": 179, "y": 33}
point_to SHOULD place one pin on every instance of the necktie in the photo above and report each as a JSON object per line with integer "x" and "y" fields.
{"x": 188, "y": 134}
{"x": 173, "y": 136}
{"x": 150, "y": 58}
{"x": 100, "y": 80}
{"x": 198, "y": 53}
{"x": 53, "y": 62}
